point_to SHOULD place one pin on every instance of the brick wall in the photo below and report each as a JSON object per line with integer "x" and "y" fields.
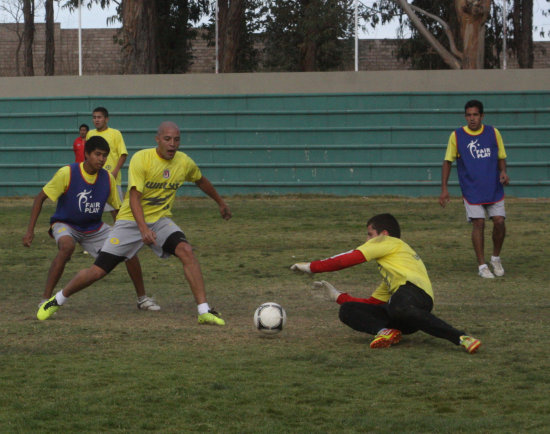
{"x": 101, "y": 53}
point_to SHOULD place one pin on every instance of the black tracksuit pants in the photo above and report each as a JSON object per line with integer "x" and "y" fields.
{"x": 408, "y": 310}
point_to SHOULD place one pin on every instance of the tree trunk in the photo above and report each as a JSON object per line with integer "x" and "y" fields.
{"x": 231, "y": 18}
{"x": 139, "y": 35}
{"x": 472, "y": 15}
{"x": 49, "y": 57}
{"x": 308, "y": 48}
{"x": 28, "y": 36}
{"x": 523, "y": 32}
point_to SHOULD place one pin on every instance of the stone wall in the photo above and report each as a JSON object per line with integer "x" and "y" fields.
{"x": 101, "y": 53}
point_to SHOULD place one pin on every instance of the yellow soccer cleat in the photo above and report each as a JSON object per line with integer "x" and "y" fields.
{"x": 211, "y": 317}
{"x": 47, "y": 309}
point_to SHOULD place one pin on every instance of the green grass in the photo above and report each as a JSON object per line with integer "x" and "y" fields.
{"x": 100, "y": 365}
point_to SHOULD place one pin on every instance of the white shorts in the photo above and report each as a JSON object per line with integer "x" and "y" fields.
{"x": 92, "y": 242}
{"x": 482, "y": 211}
{"x": 120, "y": 195}
{"x": 125, "y": 239}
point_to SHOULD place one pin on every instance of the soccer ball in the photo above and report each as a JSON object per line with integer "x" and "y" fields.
{"x": 270, "y": 318}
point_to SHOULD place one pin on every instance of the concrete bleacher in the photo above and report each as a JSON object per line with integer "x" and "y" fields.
{"x": 387, "y": 143}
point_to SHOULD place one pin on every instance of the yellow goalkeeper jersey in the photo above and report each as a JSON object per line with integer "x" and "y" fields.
{"x": 397, "y": 263}
{"x": 157, "y": 180}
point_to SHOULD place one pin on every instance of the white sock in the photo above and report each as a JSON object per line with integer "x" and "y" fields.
{"x": 203, "y": 308}
{"x": 481, "y": 267}
{"x": 495, "y": 258}
{"x": 60, "y": 298}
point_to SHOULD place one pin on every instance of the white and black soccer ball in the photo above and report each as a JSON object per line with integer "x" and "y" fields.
{"x": 270, "y": 318}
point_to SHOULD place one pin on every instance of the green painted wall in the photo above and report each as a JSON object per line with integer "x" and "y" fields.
{"x": 345, "y": 143}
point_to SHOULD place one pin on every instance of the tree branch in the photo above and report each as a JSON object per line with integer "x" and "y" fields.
{"x": 447, "y": 56}
{"x": 446, "y": 28}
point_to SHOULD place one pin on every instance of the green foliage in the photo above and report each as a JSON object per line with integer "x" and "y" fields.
{"x": 292, "y": 26}
{"x": 176, "y": 21}
{"x": 176, "y": 30}
{"x": 248, "y": 56}
{"x": 100, "y": 365}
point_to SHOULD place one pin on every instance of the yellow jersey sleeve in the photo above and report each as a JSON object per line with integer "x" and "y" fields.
{"x": 452, "y": 151}
{"x": 500, "y": 143}
{"x": 113, "y": 199}
{"x": 137, "y": 171}
{"x": 59, "y": 184}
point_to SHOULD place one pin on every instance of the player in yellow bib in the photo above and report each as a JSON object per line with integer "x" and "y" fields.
{"x": 144, "y": 218}
{"x": 117, "y": 156}
{"x": 81, "y": 190}
{"x": 402, "y": 303}
{"x": 118, "y": 153}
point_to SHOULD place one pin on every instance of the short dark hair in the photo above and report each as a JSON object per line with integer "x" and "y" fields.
{"x": 102, "y": 110}
{"x": 386, "y": 222}
{"x": 96, "y": 142}
{"x": 474, "y": 103}
{"x": 84, "y": 126}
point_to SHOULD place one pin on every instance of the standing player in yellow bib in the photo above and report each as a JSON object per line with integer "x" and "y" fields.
{"x": 402, "y": 303}
{"x": 81, "y": 191}
{"x": 118, "y": 153}
{"x": 144, "y": 218}
{"x": 117, "y": 157}
{"x": 481, "y": 163}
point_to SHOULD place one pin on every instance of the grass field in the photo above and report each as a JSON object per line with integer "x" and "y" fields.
{"x": 100, "y": 365}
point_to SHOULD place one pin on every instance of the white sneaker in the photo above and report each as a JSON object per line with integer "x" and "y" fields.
{"x": 486, "y": 273}
{"x": 147, "y": 303}
{"x": 497, "y": 267}
{"x": 331, "y": 291}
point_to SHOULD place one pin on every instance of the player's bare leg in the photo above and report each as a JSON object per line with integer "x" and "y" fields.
{"x": 193, "y": 274}
{"x": 478, "y": 240}
{"x": 66, "y": 246}
{"x": 192, "y": 271}
{"x": 83, "y": 279}
{"x": 499, "y": 232}
{"x": 478, "y": 233}
{"x": 133, "y": 267}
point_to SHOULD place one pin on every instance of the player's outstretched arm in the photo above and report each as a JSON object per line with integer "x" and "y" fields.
{"x": 35, "y": 212}
{"x": 334, "y": 263}
{"x": 303, "y": 267}
{"x": 206, "y": 186}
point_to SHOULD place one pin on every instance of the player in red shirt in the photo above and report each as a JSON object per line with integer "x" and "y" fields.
{"x": 79, "y": 142}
